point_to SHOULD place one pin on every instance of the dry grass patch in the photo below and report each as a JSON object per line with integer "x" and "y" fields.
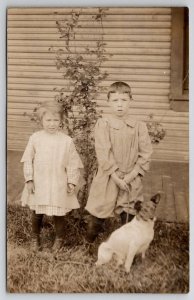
{"x": 165, "y": 269}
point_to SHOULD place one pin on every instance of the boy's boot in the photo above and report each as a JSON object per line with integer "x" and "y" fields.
{"x": 126, "y": 217}
{"x": 35, "y": 243}
{"x": 94, "y": 227}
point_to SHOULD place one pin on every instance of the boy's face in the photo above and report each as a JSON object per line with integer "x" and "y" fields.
{"x": 51, "y": 122}
{"x": 119, "y": 103}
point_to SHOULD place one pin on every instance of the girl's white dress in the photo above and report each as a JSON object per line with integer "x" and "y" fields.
{"x": 54, "y": 162}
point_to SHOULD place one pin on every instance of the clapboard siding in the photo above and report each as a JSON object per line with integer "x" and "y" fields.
{"x": 50, "y": 84}
{"x": 89, "y": 24}
{"x": 123, "y": 57}
{"x": 138, "y": 45}
{"x": 130, "y": 77}
{"x": 91, "y": 37}
{"x": 134, "y": 50}
{"x": 88, "y": 11}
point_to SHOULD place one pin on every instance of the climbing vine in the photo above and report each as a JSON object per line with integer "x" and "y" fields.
{"x": 82, "y": 71}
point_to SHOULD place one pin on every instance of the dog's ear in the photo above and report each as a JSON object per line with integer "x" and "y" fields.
{"x": 138, "y": 205}
{"x": 156, "y": 198}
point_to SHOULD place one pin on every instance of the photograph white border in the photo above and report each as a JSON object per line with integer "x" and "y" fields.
{"x": 4, "y": 4}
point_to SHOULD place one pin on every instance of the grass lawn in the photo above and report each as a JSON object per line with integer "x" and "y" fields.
{"x": 164, "y": 270}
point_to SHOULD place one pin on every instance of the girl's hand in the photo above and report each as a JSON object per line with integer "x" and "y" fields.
{"x": 70, "y": 188}
{"x": 30, "y": 187}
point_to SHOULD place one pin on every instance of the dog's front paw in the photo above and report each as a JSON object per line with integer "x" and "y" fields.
{"x": 98, "y": 263}
{"x": 127, "y": 269}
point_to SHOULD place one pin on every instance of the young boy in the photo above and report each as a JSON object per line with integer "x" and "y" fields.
{"x": 123, "y": 150}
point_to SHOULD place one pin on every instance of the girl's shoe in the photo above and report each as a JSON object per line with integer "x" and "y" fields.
{"x": 35, "y": 244}
{"x": 57, "y": 244}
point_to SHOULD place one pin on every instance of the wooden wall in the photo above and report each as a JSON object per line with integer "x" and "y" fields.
{"x": 139, "y": 41}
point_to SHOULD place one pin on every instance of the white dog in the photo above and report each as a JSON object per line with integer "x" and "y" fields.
{"x": 132, "y": 238}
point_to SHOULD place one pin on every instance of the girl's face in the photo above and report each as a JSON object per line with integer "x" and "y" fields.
{"x": 51, "y": 122}
{"x": 119, "y": 103}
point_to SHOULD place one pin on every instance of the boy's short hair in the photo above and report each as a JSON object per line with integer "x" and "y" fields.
{"x": 49, "y": 106}
{"x": 119, "y": 87}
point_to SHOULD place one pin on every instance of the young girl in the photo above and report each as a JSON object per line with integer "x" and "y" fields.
{"x": 123, "y": 149}
{"x": 51, "y": 171}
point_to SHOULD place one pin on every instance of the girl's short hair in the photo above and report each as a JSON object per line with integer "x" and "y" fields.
{"x": 119, "y": 87}
{"x": 49, "y": 106}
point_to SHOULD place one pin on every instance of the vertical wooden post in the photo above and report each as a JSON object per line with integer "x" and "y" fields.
{"x": 177, "y": 52}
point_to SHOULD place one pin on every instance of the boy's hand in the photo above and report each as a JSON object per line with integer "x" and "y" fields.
{"x": 70, "y": 188}
{"x": 128, "y": 178}
{"x": 120, "y": 174}
{"x": 30, "y": 187}
{"x": 120, "y": 182}
{"x": 123, "y": 185}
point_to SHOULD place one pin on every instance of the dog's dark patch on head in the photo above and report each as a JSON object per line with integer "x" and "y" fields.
{"x": 138, "y": 205}
{"x": 148, "y": 208}
{"x": 156, "y": 198}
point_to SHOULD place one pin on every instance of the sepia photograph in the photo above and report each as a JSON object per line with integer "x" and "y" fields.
{"x": 97, "y": 150}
